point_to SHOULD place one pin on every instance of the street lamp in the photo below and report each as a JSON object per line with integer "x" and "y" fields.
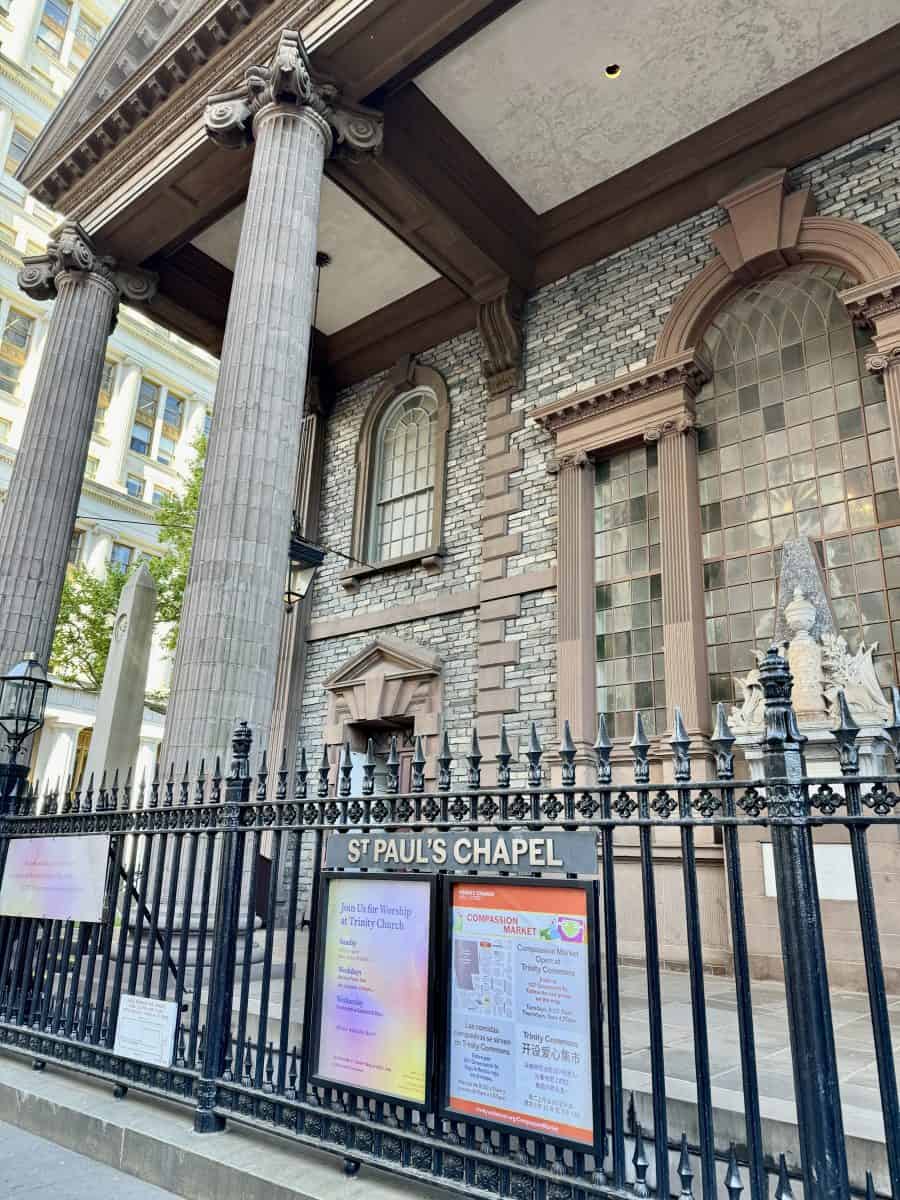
{"x": 304, "y": 560}
{"x": 23, "y": 701}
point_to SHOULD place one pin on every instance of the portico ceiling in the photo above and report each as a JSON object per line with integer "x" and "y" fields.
{"x": 530, "y": 92}
{"x": 370, "y": 267}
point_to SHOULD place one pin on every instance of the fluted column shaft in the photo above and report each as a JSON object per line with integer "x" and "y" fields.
{"x": 226, "y": 661}
{"x": 682, "y": 574}
{"x": 39, "y": 514}
{"x": 227, "y": 656}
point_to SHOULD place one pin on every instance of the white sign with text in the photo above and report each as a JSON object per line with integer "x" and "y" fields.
{"x": 145, "y": 1030}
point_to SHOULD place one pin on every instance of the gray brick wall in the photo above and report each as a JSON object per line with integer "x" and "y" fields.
{"x": 459, "y": 361}
{"x": 583, "y": 329}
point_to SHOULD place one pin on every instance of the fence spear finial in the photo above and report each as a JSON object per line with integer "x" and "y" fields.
{"x": 783, "y": 1189}
{"x": 534, "y": 754}
{"x": 445, "y": 760}
{"x": 640, "y": 748}
{"x": 603, "y": 751}
{"x": 685, "y": 1171}
{"x": 722, "y": 740}
{"x": 681, "y": 744}
{"x": 504, "y": 755}
{"x": 567, "y": 756}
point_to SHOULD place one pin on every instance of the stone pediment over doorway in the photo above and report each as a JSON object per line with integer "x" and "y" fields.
{"x": 387, "y": 681}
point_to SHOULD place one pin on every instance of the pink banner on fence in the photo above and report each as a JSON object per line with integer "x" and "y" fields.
{"x": 58, "y": 878}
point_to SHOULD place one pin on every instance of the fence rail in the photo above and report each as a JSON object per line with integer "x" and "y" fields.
{"x": 180, "y": 924}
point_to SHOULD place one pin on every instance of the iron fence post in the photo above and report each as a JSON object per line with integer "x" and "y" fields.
{"x": 821, "y": 1129}
{"x": 221, "y": 980}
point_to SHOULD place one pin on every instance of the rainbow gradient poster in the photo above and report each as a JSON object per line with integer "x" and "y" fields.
{"x": 373, "y": 1012}
{"x": 55, "y": 878}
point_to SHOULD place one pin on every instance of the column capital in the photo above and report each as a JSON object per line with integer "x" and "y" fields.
{"x": 71, "y": 251}
{"x": 686, "y": 423}
{"x": 575, "y": 460}
{"x": 289, "y": 81}
{"x": 878, "y": 363}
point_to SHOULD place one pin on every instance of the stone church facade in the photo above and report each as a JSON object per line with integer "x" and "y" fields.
{"x": 552, "y": 448}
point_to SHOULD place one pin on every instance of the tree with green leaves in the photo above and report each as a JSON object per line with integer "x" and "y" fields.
{"x": 84, "y": 626}
{"x": 89, "y": 602}
{"x": 177, "y": 519}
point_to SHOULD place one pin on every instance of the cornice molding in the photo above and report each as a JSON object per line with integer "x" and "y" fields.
{"x": 688, "y": 370}
{"x": 872, "y": 300}
{"x": 208, "y": 54}
{"x": 18, "y": 75}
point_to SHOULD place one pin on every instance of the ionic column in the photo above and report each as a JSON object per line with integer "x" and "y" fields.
{"x": 577, "y": 670}
{"x": 226, "y": 661}
{"x": 682, "y": 573}
{"x": 39, "y": 514}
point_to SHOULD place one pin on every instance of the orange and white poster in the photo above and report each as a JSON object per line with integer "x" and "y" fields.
{"x": 520, "y": 1021}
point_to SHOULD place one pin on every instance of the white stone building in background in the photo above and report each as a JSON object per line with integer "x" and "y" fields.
{"x": 157, "y": 389}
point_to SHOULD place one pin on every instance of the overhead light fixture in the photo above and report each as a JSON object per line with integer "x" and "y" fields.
{"x": 613, "y": 71}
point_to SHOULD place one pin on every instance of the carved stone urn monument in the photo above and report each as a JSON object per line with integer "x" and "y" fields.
{"x": 822, "y": 665}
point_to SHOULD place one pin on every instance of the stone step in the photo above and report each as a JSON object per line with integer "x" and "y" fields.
{"x": 154, "y": 1141}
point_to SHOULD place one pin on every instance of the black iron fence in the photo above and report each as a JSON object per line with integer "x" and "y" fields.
{"x": 180, "y": 925}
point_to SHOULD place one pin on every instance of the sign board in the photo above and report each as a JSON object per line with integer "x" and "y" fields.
{"x": 521, "y": 1036}
{"x": 145, "y": 1030}
{"x": 372, "y": 1024}
{"x": 55, "y": 878}
{"x": 520, "y": 851}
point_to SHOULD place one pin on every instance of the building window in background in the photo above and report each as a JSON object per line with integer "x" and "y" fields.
{"x": 166, "y": 449}
{"x": 19, "y": 144}
{"x": 160, "y": 494}
{"x": 145, "y": 417}
{"x": 54, "y": 22}
{"x": 5, "y": 430}
{"x": 105, "y": 396}
{"x": 87, "y": 35}
{"x": 17, "y": 334}
{"x": 173, "y": 413}
{"x": 75, "y": 547}
{"x": 91, "y": 467}
{"x": 120, "y": 556}
{"x": 134, "y": 485}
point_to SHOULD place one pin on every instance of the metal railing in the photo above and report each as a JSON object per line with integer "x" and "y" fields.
{"x": 180, "y": 924}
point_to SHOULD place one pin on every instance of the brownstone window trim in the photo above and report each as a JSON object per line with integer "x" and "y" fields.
{"x": 415, "y": 378}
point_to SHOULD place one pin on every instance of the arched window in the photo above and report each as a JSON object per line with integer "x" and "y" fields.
{"x": 401, "y": 509}
{"x": 794, "y": 440}
{"x": 401, "y": 458}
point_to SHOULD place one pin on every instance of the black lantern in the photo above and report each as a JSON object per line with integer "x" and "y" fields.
{"x": 304, "y": 561}
{"x": 23, "y": 700}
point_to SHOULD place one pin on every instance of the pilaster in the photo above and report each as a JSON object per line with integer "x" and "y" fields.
{"x": 499, "y": 324}
{"x": 231, "y": 626}
{"x": 39, "y": 515}
{"x": 577, "y": 687}
{"x": 684, "y": 619}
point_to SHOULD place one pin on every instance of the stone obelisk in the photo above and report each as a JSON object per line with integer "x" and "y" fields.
{"x": 120, "y": 709}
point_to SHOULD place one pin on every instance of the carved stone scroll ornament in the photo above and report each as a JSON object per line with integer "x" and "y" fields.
{"x": 71, "y": 250}
{"x": 290, "y": 80}
{"x": 878, "y": 363}
{"x": 500, "y": 327}
{"x": 679, "y": 425}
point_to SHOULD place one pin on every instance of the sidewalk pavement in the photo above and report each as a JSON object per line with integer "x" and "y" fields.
{"x": 32, "y": 1167}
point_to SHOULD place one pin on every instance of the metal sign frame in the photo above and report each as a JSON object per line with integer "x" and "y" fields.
{"x": 595, "y": 1007}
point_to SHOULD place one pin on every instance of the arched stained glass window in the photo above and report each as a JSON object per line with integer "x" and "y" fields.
{"x": 794, "y": 440}
{"x": 402, "y": 503}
